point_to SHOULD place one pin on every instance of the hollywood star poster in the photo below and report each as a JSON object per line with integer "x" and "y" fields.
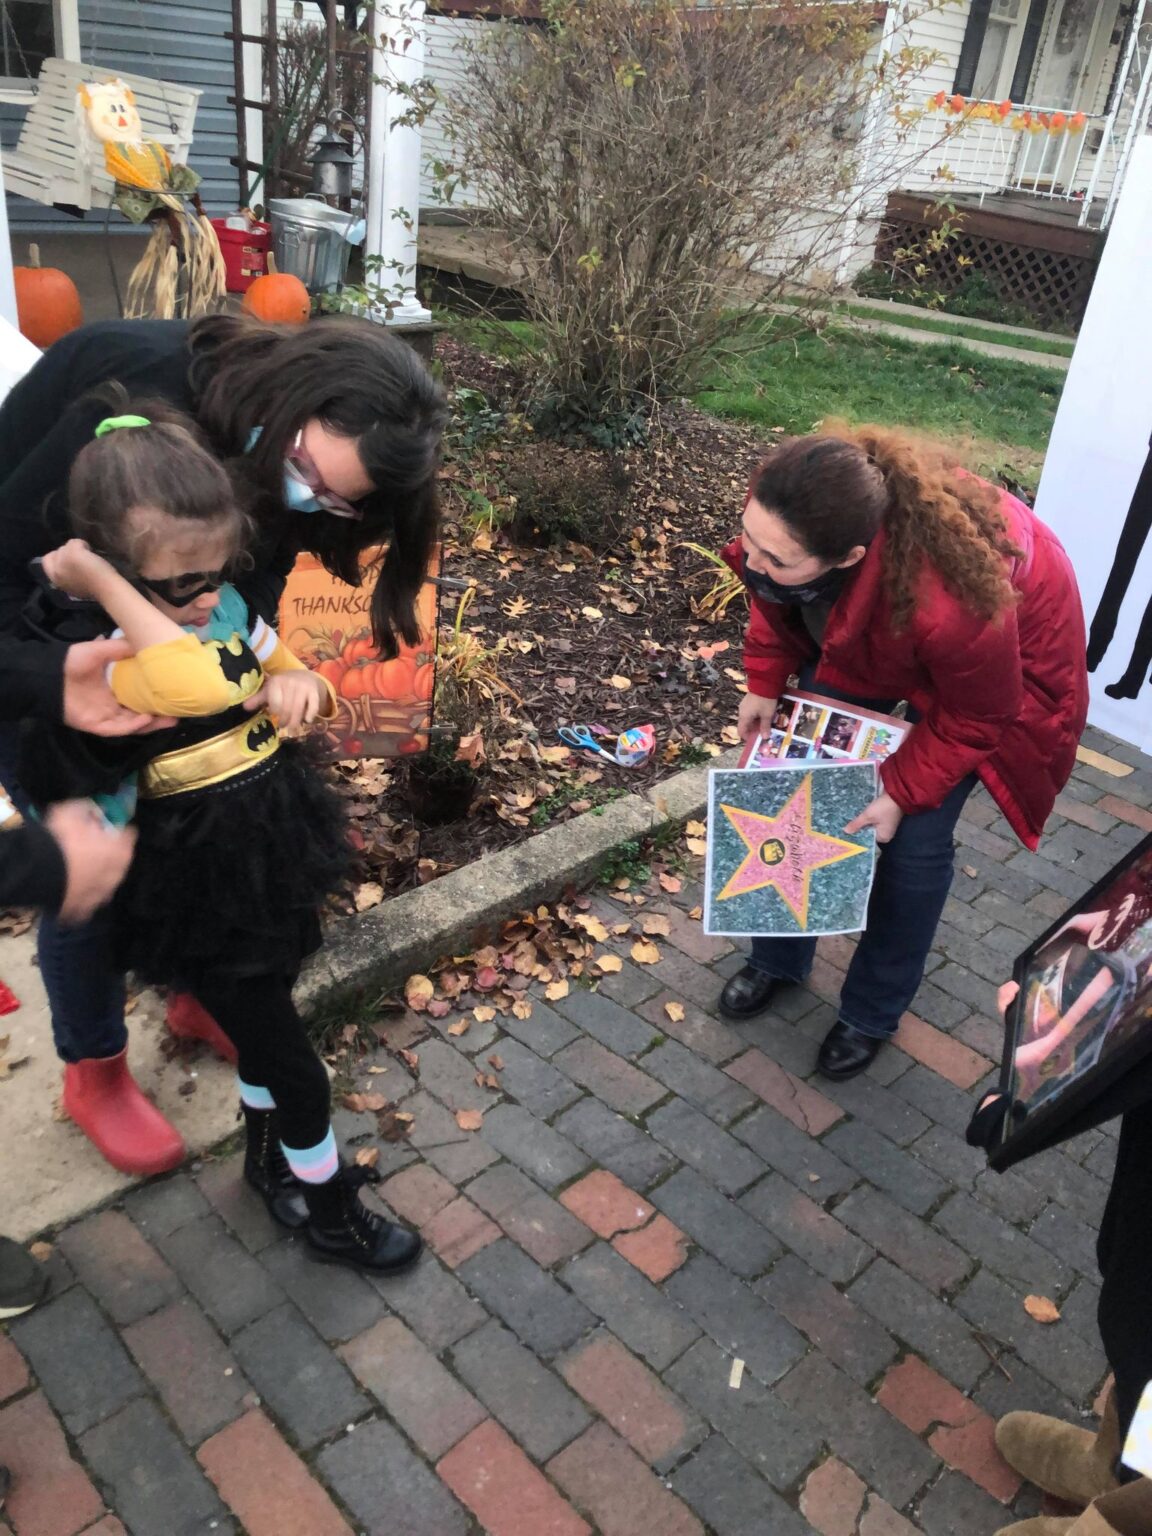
{"x": 1096, "y": 489}
{"x": 779, "y": 861}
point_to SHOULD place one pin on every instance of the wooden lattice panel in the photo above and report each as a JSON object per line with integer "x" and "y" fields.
{"x": 1032, "y": 270}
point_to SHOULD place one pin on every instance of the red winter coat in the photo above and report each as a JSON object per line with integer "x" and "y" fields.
{"x": 1007, "y": 699}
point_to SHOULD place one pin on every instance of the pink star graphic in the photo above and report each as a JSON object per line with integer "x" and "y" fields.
{"x": 783, "y": 850}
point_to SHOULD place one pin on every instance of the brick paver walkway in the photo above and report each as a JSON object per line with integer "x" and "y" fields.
{"x": 651, "y": 1197}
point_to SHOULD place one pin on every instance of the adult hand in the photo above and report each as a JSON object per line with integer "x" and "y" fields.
{"x": 884, "y": 815}
{"x": 96, "y": 856}
{"x": 89, "y": 703}
{"x": 755, "y": 716}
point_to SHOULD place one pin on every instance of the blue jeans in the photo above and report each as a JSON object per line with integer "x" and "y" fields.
{"x": 86, "y": 994}
{"x": 913, "y": 877}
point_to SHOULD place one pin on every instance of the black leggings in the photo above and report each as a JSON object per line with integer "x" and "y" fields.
{"x": 1124, "y": 1251}
{"x": 259, "y": 1017}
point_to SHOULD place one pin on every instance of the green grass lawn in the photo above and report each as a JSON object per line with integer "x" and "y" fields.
{"x": 943, "y": 325}
{"x": 998, "y": 410}
{"x": 1004, "y": 409}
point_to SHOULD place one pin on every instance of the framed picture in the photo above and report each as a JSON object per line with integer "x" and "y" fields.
{"x": 1083, "y": 1015}
{"x": 779, "y": 860}
{"x": 810, "y": 728}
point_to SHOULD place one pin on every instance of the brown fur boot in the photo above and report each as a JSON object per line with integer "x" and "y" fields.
{"x": 1072, "y": 1464}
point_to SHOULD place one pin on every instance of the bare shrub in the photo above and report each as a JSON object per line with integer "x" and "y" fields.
{"x": 665, "y": 170}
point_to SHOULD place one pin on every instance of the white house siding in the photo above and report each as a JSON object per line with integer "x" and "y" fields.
{"x": 445, "y": 63}
{"x": 178, "y": 40}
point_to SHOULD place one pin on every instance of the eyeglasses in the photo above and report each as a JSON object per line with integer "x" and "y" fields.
{"x": 180, "y": 591}
{"x": 300, "y": 467}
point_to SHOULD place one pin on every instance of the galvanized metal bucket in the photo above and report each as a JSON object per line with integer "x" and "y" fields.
{"x": 309, "y": 239}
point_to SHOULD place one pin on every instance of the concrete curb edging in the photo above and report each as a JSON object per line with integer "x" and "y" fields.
{"x": 388, "y": 943}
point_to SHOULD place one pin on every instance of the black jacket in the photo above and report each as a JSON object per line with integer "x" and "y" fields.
{"x": 44, "y": 422}
{"x": 32, "y": 872}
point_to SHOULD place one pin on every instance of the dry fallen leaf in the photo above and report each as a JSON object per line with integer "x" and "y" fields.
{"x": 669, "y": 883}
{"x": 644, "y": 952}
{"x": 483, "y": 1015}
{"x": 621, "y": 683}
{"x": 970, "y": 871}
{"x": 521, "y": 1008}
{"x": 591, "y": 925}
{"x": 696, "y": 845}
{"x": 696, "y": 914}
{"x": 367, "y": 1157}
{"x": 496, "y": 1063}
{"x": 410, "y": 1060}
{"x": 591, "y": 613}
{"x": 675, "y": 1012}
{"x": 556, "y": 990}
{"x": 376, "y": 1071}
{"x": 656, "y": 925}
{"x": 608, "y": 963}
{"x": 1041, "y": 1310}
{"x": 461, "y": 1027}
{"x": 368, "y": 895}
{"x": 696, "y": 829}
{"x": 403, "y": 1116}
{"x": 41, "y": 1252}
{"x": 418, "y": 993}
{"x": 469, "y": 1119}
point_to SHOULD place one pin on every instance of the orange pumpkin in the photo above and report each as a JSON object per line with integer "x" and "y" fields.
{"x": 279, "y": 297}
{"x": 332, "y": 670}
{"x": 423, "y": 681}
{"x": 47, "y": 303}
{"x": 358, "y": 681}
{"x": 359, "y": 648}
{"x": 394, "y": 678}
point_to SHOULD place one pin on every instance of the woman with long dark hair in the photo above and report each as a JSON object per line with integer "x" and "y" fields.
{"x": 331, "y": 434}
{"x": 880, "y": 571}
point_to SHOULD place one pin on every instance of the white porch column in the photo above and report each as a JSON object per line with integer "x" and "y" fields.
{"x": 7, "y": 286}
{"x": 392, "y": 176}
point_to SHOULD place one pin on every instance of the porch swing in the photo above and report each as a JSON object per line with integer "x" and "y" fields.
{"x": 97, "y": 138}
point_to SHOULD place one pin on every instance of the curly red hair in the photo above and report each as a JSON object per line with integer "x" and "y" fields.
{"x": 836, "y": 489}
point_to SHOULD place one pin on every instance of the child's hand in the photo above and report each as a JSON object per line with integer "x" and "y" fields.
{"x": 76, "y": 568}
{"x": 294, "y": 699}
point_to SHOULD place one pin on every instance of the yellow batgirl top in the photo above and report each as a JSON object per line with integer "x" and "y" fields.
{"x": 205, "y": 672}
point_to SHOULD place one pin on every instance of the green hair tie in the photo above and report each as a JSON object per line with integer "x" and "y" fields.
{"x": 111, "y": 423}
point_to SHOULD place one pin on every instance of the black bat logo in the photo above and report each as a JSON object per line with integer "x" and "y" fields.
{"x": 260, "y": 733}
{"x": 238, "y": 665}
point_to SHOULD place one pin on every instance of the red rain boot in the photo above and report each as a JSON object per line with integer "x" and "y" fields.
{"x": 187, "y": 1020}
{"x": 102, "y": 1097}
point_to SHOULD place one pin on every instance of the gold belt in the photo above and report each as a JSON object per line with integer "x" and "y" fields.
{"x": 212, "y": 761}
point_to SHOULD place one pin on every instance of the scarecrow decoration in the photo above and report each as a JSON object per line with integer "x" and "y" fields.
{"x": 182, "y": 269}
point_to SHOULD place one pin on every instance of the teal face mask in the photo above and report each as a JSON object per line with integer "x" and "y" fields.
{"x": 299, "y": 495}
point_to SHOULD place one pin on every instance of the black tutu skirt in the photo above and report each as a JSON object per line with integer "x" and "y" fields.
{"x": 227, "y": 880}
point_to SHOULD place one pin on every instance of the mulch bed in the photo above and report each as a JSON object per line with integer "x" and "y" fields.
{"x": 600, "y": 629}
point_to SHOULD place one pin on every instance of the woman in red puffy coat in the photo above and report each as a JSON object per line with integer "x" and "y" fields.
{"x": 880, "y": 571}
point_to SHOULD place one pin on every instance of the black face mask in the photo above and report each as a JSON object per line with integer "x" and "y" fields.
{"x": 821, "y": 589}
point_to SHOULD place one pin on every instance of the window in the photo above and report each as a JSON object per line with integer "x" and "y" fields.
{"x": 999, "y": 49}
{"x": 27, "y": 37}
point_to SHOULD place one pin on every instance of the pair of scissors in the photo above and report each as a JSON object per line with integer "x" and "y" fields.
{"x": 581, "y": 737}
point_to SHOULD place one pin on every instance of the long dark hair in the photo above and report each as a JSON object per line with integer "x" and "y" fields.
{"x": 836, "y": 490}
{"x": 362, "y": 383}
{"x": 166, "y": 465}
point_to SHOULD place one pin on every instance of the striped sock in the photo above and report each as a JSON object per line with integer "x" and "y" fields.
{"x": 314, "y": 1165}
{"x": 253, "y": 1097}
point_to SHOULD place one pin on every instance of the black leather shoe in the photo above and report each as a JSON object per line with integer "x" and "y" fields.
{"x": 846, "y": 1052}
{"x": 748, "y": 993}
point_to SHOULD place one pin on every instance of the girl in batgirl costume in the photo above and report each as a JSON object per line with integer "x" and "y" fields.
{"x": 239, "y": 838}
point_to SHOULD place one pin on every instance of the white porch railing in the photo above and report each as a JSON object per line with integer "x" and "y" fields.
{"x": 1067, "y": 158}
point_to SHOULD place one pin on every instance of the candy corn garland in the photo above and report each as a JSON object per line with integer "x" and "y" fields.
{"x": 1003, "y": 113}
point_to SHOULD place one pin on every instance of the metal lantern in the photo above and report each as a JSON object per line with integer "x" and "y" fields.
{"x": 332, "y": 167}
